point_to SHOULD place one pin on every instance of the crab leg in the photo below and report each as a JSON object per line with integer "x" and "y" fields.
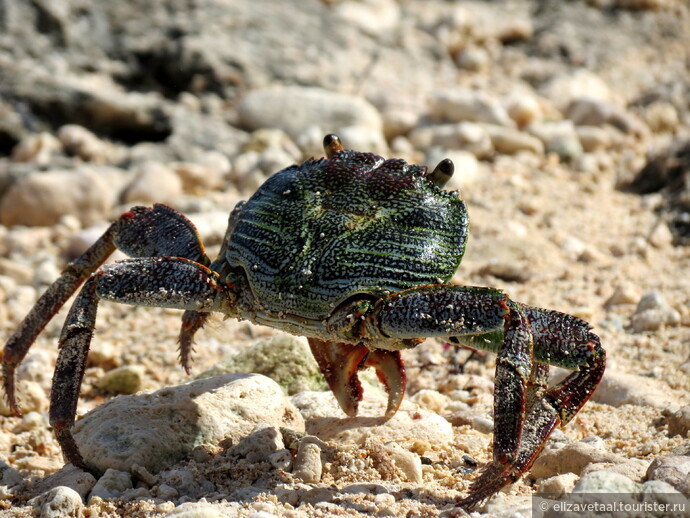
{"x": 141, "y": 232}
{"x": 526, "y": 339}
{"x": 155, "y": 281}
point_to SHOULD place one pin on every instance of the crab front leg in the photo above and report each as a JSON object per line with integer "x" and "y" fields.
{"x": 526, "y": 340}
{"x": 171, "y": 282}
{"x": 141, "y": 232}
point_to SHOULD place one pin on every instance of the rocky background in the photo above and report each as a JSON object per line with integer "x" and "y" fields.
{"x": 569, "y": 124}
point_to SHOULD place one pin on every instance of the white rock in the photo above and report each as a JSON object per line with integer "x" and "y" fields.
{"x": 158, "y": 429}
{"x": 374, "y": 17}
{"x": 431, "y": 400}
{"x": 410, "y": 423}
{"x": 584, "y": 111}
{"x": 661, "y": 236}
{"x": 458, "y": 105}
{"x": 260, "y": 444}
{"x": 571, "y": 458}
{"x": 466, "y": 136}
{"x": 524, "y": 109}
{"x": 42, "y": 198}
{"x": 510, "y": 141}
{"x": 661, "y": 116}
{"x": 558, "y": 485}
{"x": 112, "y": 484}
{"x": 562, "y": 89}
{"x": 605, "y": 482}
{"x": 281, "y": 459}
{"x": 467, "y": 171}
{"x": 559, "y": 138}
{"x": 70, "y": 476}
{"x": 593, "y": 138}
{"x": 82, "y": 240}
{"x": 473, "y": 58}
{"x": 308, "y": 466}
{"x": 197, "y": 178}
{"x": 634, "y": 469}
{"x": 672, "y": 469}
{"x": 59, "y": 502}
{"x": 653, "y": 319}
{"x": 210, "y": 225}
{"x": 79, "y": 141}
{"x": 184, "y": 482}
{"x": 621, "y": 388}
{"x": 679, "y": 422}
{"x": 128, "y": 379}
{"x": 196, "y": 510}
{"x": 398, "y": 121}
{"x": 406, "y": 461}
{"x": 652, "y": 312}
{"x": 37, "y": 148}
{"x": 363, "y": 138}
{"x": 294, "y": 109}
{"x": 153, "y": 182}
{"x": 623, "y": 294}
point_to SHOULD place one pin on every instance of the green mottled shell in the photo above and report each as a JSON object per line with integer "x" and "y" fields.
{"x": 319, "y": 233}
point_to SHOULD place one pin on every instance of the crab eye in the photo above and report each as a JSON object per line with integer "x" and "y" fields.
{"x": 332, "y": 144}
{"x": 442, "y": 172}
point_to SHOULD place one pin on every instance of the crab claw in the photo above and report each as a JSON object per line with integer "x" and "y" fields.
{"x": 391, "y": 372}
{"x": 339, "y": 363}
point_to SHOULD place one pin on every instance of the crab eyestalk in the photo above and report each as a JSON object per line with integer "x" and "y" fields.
{"x": 331, "y": 145}
{"x": 442, "y": 172}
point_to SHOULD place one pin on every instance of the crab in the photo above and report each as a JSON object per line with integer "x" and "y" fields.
{"x": 354, "y": 252}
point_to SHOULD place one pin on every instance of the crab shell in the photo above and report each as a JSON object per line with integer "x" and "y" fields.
{"x": 351, "y": 226}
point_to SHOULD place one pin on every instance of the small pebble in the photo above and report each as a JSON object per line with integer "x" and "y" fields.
{"x": 431, "y": 400}
{"x": 571, "y": 458}
{"x": 661, "y": 116}
{"x": 59, "y": 502}
{"x": 128, "y": 379}
{"x": 153, "y": 182}
{"x": 605, "y": 482}
{"x": 679, "y": 422}
{"x": 623, "y": 388}
{"x": 308, "y": 466}
{"x": 459, "y": 105}
{"x": 37, "y": 148}
{"x": 623, "y": 294}
{"x": 196, "y": 510}
{"x": 524, "y": 109}
{"x": 79, "y": 480}
{"x": 112, "y": 484}
{"x": 79, "y": 141}
{"x": 407, "y": 462}
{"x": 634, "y": 469}
{"x": 42, "y": 198}
{"x": 558, "y": 485}
{"x": 511, "y": 141}
{"x": 672, "y": 469}
{"x": 259, "y": 444}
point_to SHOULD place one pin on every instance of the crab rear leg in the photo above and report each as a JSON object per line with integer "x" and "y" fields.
{"x": 526, "y": 339}
{"x": 156, "y": 281}
{"x": 141, "y": 232}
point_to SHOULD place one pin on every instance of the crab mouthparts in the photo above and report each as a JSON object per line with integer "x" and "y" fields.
{"x": 340, "y": 362}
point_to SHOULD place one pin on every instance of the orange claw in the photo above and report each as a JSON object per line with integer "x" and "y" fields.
{"x": 340, "y": 362}
{"x": 391, "y": 372}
